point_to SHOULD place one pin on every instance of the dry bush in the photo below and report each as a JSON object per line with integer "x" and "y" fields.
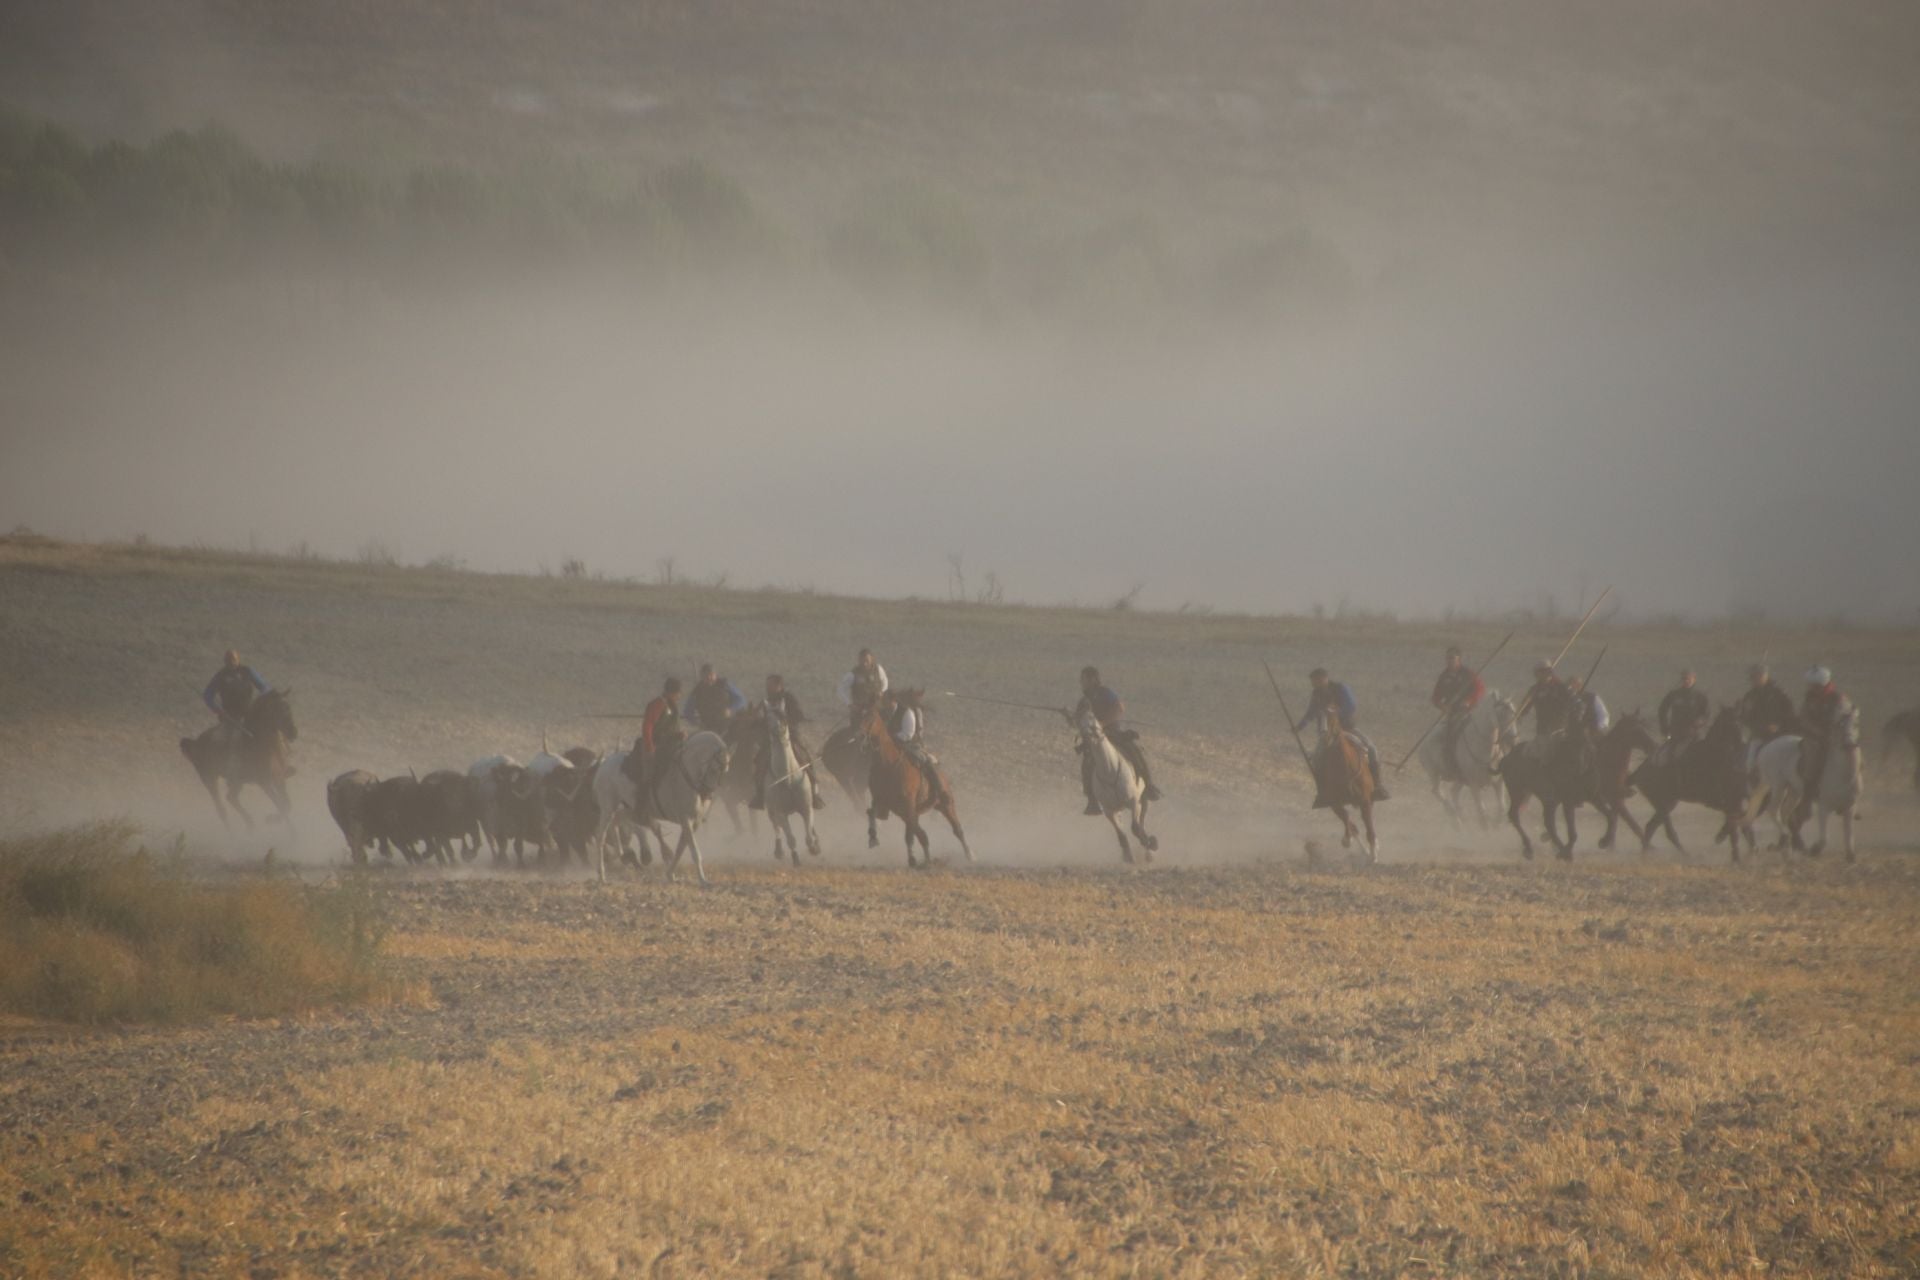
{"x": 95, "y": 928}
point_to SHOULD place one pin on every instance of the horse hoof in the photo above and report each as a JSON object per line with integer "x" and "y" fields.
{"x": 1153, "y": 844}
{"x": 873, "y": 842}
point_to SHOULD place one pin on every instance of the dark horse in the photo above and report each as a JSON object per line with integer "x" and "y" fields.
{"x": 1907, "y": 725}
{"x": 848, "y": 755}
{"x": 1712, "y": 772}
{"x": 257, "y": 757}
{"x": 1613, "y": 764}
{"x": 1564, "y": 771}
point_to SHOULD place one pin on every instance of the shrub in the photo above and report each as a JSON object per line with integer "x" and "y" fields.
{"x": 94, "y": 928}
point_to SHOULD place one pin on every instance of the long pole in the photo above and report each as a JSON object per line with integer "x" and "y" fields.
{"x": 1564, "y": 649}
{"x": 1297, "y": 740}
{"x": 1000, "y": 702}
{"x": 1028, "y": 706}
{"x": 1478, "y": 672}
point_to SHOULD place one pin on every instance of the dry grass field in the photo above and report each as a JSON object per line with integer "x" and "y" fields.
{"x": 1450, "y": 1064}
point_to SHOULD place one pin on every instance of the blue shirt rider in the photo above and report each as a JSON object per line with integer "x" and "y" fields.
{"x": 1335, "y": 696}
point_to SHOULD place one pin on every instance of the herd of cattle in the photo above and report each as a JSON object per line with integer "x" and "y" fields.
{"x": 553, "y": 804}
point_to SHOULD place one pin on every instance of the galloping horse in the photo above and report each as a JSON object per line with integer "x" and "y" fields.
{"x": 1117, "y": 788}
{"x": 1784, "y": 790}
{"x": 789, "y": 792}
{"x": 1613, "y": 763}
{"x": 848, "y": 756}
{"x": 897, "y": 786}
{"x": 1476, "y": 751}
{"x": 1563, "y": 772}
{"x": 681, "y": 792}
{"x": 736, "y": 788}
{"x": 1712, "y": 772}
{"x": 1342, "y": 778}
{"x": 1907, "y": 725}
{"x": 258, "y": 758}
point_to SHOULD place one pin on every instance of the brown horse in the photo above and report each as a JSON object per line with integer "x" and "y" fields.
{"x": 256, "y": 756}
{"x": 1343, "y": 779}
{"x": 897, "y": 785}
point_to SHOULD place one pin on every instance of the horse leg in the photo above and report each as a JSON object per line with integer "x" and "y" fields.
{"x": 1148, "y": 842}
{"x": 873, "y": 830}
{"x": 909, "y": 824}
{"x": 1666, "y": 822}
{"x": 1113, "y": 820}
{"x": 1846, "y": 830}
{"x": 951, "y": 812}
{"x": 233, "y": 798}
{"x": 1573, "y": 832}
{"x": 1515, "y": 799}
{"x": 1373, "y": 840}
{"x": 1819, "y": 845}
{"x": 212, "y": 783}
{"x": 693, "y": 847}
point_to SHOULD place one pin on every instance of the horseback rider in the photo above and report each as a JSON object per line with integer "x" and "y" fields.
{"x": 229, "y": 695}
{"x": 861, "y": 687}
{"x": 1826, "y": 722}
{"x": 1684, "y": 712}
{"x": 1108, "y": 710}
{"x": 1334, "y": 697}
{"x": 782, "y": 705}
{"x": 661, "y": 729}
{"x": 1551, "y": 701}
{"x": 1589, "y": 713}
{"x": 713, "y": 701}
{"x": 1765, "y": 711}
{"x": 906, "y": 722}
{"x": 1455, "y": 694}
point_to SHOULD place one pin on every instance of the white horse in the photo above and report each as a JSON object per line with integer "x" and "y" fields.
{"x": 618, "y": 801}
{"x": 681, "y": 792}
{"x": 1484, "y": 738}
{"x": 1782, "y": 790}
{"x": 789, "y": 792}
{"x": 1117, "y": 788}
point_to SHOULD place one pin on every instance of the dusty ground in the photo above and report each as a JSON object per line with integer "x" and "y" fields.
{"x": 1449, "y": 1064}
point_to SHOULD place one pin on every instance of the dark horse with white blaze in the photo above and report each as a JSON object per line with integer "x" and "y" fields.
{"x": 848, "y": 756}
{"x": 1711, "y": 772}
{"x": 255, "y": 756}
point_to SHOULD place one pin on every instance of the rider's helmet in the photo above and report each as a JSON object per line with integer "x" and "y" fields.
{"x": 1317, "y": 674}
{"x": 1819, "y": 676}
{"x": 1089, "y": 675}
{"x": 1543, "y": 665}
{"x": 1453, "y": 651}
{"x": 1758, "y": 671}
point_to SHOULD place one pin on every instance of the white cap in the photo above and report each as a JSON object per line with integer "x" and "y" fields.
{"x": 1819, "y": 675}
{"x": 1543, "y": 665}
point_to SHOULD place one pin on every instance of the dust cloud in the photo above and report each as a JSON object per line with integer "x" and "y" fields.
{"x": 1409, "y": 311}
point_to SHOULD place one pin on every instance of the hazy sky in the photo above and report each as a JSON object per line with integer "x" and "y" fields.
{"x": 1710, "y": 415}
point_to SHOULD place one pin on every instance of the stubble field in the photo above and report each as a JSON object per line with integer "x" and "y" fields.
{"x": 1451, "y": 1064}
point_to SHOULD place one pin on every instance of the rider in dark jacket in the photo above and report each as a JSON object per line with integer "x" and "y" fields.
{"x": 229, "y": 695}
{"x": 1455, "y": 694}
{"x": 713, "y": 701}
